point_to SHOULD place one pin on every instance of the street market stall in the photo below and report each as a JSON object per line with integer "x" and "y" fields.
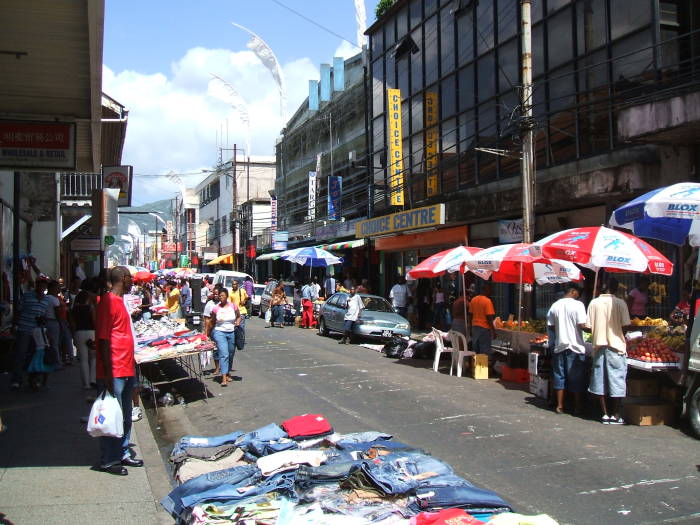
{"x": 303, "y": 472}
{"x": 160, "y": 340}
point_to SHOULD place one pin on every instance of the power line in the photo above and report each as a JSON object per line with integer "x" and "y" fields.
{"x": 315, "y": 23}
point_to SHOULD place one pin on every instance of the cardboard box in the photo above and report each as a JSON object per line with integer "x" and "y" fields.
{"x": 671, "y": 394}
{"x": 533, "y": 359}
{"x": 479, "y": 364}
{"x": 648, "y": 386}
{"x": 539, "y": 386}
{"x": 647, "y": 414}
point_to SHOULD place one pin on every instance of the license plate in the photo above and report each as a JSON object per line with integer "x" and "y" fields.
{"x": 387, "y": 333}
{"x": 196, "y": 320}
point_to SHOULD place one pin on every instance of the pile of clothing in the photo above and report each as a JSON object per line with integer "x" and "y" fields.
{"x": 302, "y": 472}
{"x": 154, "y": 328}
{"x": 173, "y": 345}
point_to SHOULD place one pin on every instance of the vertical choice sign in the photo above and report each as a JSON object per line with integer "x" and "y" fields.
{"x": 396, "y": 176}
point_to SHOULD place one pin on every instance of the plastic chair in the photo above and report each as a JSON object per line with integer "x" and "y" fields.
{"x": 459, "y": 350}
{"x": 439, "y": 349}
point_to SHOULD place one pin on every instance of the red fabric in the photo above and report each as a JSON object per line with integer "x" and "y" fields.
{"x": 307, "y": 318}
{"x": 446, "y": 517}
{"x": 113, "y": 323}
{"x": 307, "y": 425}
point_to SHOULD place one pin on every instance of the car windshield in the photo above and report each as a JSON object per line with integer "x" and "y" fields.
{"x": 377, "y": 304}
{"x": 258, "y": 289}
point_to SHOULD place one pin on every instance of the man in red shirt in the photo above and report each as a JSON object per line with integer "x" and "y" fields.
{"x": 116, "y": 367}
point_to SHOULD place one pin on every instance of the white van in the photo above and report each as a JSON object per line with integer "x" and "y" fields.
{"x": 226, "y": 277}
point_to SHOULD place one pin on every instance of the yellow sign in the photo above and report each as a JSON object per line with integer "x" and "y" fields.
{"x": 403, "y": 220}
{"x": 396, "y": 176}
{"x": 431, "y": 143}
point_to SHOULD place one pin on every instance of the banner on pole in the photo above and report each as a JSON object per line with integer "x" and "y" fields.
{"x": 335, "y": 194}
{"x": 396, "y": 176}
{"x": 431, "y": 142}
{"x": 312, "y": 195}
{"x": 273, "y": 215}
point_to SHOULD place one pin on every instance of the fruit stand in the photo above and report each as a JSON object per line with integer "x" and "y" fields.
{"x": 514, "y": 337}
{"x": 659, "y": 349}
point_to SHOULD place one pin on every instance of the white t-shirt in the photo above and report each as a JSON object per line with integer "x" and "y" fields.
{"x": 225, "y": 317}
{"x": 355, "y": 306}
{"x": 208, "y": 308}
{"x": 315, "y": 290}
{"x": 399, "y": 295}
{"x": 565, "y": 315}
{"x": 53, "y": 303}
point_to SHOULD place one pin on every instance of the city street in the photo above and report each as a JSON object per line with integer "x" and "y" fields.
{"x": 497, "y": 435}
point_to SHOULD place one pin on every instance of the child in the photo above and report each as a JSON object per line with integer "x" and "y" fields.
{"x": 43, "y": 360}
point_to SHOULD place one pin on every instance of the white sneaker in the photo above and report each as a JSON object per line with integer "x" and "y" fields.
{"x": 616, "y": 421}
{"x": 136, "y": 413}
{"x": 605, "y": 419}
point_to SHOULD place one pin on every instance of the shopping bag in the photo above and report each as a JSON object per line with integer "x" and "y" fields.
{"x": 268, "y": 315}
{"x": 106, "y": 418}
{"x": 240, "y": 337}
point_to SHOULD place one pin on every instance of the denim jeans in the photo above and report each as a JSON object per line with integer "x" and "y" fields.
{"x": 186, "y": 442}
{"x": 24, "y": 344}
{"x": 271, "y": 432}
{"x": 225, "y": 493}
{"x": 226, "y": 345}
{"x": 397, "y": 473}
{"x": 277, "y": 314}
{"x": 462, "y": 495}
{"x": 66, "y": 339}
{"x": 439, "y": 314}
{"x": 308, "y": 476}
{"x": 380, "y": 443}
{"x": 229, "y": 479}
{"x": 481, "y": 340}
{"x": 364, "y": 437}
{"x": 115, "y": 449}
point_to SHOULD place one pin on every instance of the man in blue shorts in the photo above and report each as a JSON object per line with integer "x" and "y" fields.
{"x": 567, "y": 318}
{"x": 608, "y": 318}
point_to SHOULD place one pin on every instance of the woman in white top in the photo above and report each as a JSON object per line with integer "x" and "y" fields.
{"x": 223, "y": 321}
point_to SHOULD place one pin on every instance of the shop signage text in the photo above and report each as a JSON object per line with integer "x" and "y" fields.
{"x": 510, "y": 231}
{"x": 119, "y": 177}
{"x": 396, "y": 176}
{"x": 431, "y": 142}
{"x": 37, "y": 145}
{"x": 405, "y": 220}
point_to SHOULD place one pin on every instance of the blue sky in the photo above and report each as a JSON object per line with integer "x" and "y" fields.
{"x": 158, "y": 59}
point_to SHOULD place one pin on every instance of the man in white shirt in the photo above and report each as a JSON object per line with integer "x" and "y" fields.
{"x": 399, "y": 295}
{"x": 316, "y": 288}
{"x": 608, "y": 318}
{"x": 355, "y": 307}
{"x": 567, "y": 318}
{"x": 328, "y": 287}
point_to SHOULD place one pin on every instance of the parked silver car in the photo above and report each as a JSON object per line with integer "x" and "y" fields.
{"x": 378, "y": 320}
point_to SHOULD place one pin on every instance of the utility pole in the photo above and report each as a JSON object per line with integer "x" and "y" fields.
{"x": 528, "y": 158}
{"x": 527, "y": 162}
{"x": 234, "y": 230}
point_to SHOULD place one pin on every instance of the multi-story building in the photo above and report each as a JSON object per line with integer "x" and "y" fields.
{"x": 325, "y": 141}
{"x": 457, "y": 66}
{"x": 217, "y": 233}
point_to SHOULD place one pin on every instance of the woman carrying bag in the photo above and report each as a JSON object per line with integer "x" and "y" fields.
{"x": 224, "y": 319}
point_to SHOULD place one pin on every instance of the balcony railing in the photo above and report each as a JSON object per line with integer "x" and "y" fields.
{"x": 79, "y": 186}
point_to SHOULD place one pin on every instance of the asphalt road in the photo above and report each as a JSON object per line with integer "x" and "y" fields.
{"x": 499, "y": 437}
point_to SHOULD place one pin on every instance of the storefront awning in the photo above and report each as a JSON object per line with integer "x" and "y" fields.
{"x": 222, "y": 259}
{"x": 269, "y": 256}
{"x": 346, "y": 245}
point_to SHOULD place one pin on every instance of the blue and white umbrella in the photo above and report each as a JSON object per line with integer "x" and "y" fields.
{"x": 670, "y": 214}
{"x": 311, "y": 256}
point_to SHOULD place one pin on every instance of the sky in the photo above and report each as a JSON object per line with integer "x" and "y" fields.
{"x": 159, "y": 57}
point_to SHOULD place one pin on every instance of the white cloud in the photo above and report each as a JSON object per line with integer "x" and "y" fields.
{"x": 346, "y": 50}
{"x": 174, "y": 117}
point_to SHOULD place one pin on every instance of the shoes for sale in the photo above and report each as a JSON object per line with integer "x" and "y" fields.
{"x": 136, "y": 414}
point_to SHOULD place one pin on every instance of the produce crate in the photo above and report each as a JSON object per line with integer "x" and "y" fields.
{"x": 671, "y": 394}
{"x": 479, "y": 365}
{"x": 649, "y": 413}
{"x": 539, "y": 386}
{"x": 648, "y": 386}
{"x": 515, "y": 375}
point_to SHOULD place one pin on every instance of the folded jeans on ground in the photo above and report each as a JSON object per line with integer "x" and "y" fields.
{"x": 205, "y": 441}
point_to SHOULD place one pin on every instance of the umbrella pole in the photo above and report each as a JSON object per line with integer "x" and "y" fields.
{"x": 464, "y": 303}
{"x": 520, "y": 297}
{"x": 595, "y": 283}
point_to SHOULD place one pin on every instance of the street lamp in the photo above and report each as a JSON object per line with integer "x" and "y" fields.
{"x": 155, "y": 234}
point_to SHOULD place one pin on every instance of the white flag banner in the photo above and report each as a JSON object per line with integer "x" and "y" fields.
{"x": 312, "y": 195}
{"x": 265, "y": 54}
{"x": 361, "y": 19}
{"x": 239, "y": 105}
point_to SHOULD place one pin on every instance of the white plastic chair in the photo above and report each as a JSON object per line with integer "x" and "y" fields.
{"x": 459, "y": 350}
{"x": 439, "y": 349}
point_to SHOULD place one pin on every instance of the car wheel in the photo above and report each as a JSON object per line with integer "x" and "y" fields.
{"x": 694, "y": 412}
{"x": 322, "y": 328}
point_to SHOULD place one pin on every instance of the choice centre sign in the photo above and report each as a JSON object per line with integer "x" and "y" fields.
{"x": 401, "y": 221}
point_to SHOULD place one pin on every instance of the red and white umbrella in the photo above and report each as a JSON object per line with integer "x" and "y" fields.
{"x": 598, "y": 247}
{"x": 445, "y": 261}
{"x": 546, "y": 272}
{"x": 506, "y": 258}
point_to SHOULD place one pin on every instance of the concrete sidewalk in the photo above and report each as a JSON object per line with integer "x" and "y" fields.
{"x": 46, "y": 457}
